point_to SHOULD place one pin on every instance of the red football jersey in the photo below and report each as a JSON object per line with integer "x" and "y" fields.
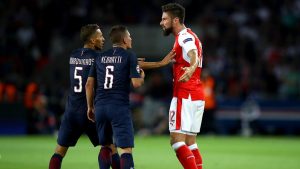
{"x": 187, "y": 40}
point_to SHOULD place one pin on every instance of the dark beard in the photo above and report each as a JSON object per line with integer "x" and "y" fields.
{"x": 167, "y": 31}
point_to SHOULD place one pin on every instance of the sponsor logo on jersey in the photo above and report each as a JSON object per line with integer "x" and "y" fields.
{"x": 187, "y": 39}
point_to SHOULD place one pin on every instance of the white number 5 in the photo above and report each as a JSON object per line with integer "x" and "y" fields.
{"x": 78, "y": 89}
{"x": 109, "y": 77}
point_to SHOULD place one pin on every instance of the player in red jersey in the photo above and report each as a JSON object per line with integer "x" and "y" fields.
{"x": 187, "y": 106}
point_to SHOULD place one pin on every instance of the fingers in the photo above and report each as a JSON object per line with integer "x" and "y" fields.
{"x": 91, "y": 119}
{"x": 172, "y": 54}
{"x": 142, "y": 73}
{"x": 172, "y": 51}
{"x": 91, "y": 115}
{"x": 184, "y": 68}
{"x": 185, "y": 76}
{"x": 141, "y": 59}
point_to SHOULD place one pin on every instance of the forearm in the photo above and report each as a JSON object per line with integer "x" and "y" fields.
{"x": 89, "y": 90}
{"x": 194, "y": 61}
{"x": 90, "y": 97}
{"x": 150, "y": 65}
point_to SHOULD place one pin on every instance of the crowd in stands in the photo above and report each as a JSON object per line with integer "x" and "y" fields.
{"x": 251, "y": 47}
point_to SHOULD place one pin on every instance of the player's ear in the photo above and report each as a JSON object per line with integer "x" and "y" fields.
{"x": 92, "y": 40}
{"x": 175, "y": 20}
{"x": 124, "y": 40}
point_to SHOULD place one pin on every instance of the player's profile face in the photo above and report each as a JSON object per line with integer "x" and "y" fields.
{"x": 166, "y": 24}
{"x": 99, "y": 40}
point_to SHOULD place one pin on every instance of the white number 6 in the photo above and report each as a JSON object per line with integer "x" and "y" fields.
{"x": 109, "y": 77}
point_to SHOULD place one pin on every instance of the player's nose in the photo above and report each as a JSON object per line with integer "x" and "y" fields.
{"x": 161, "y": 23}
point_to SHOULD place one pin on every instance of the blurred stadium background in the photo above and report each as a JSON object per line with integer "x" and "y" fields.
{"x": 251, "y": 53}
{"x": 251, "y": 62}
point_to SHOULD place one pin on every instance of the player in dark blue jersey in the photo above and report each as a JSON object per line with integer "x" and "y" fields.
{"x": 75, "y": 121}
{"x": 111, "y": 76}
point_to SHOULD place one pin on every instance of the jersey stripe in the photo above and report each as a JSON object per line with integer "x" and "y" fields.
{"x": 178, "y": 114}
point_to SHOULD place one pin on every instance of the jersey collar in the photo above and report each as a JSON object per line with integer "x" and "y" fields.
{"x": 183, "y": 31}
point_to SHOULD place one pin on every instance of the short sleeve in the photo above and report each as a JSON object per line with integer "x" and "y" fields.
{"x": 134, "y": 67}
{"x": 187, "y": 42}
{"x": 92, "y": 72}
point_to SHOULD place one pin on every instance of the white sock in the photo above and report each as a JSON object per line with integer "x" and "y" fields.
{"x": 177, "y": 145}
{"x": 193, "y": 146}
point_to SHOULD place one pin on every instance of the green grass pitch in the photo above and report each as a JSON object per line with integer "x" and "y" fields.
{"x": 34, "y": 152}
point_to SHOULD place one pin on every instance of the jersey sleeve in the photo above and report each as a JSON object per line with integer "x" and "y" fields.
{"x": 92, "y": 72}
{"x": 187, "y": 42}
{"x": 134, "y": 67}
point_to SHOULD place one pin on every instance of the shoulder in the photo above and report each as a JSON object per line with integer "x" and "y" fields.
{"x": 131, "y": 53}
{"x": 127, "y": 53}
{"x": 75, "y": 51}
{"x": 185, "y": 36}
{"x": 132, "y": 56}
{"x": 92, "y": 51}
{"x": 106, "y": 52}
{"x": 98, "y": 53}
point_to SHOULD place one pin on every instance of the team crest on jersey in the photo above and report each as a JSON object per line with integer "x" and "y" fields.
{"x": 187, "y": 39}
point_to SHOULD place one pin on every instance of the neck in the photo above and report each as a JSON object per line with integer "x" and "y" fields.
{"x": 89, "y": 46}
{"x": 177, "y": 29}
{"x": 120, "y": 46}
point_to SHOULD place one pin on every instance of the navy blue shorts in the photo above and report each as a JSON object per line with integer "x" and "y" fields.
{"x": 73, "y": 126}
{"x": 115, "y": 121}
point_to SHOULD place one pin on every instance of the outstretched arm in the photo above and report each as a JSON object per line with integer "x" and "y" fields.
{"x": 152, "y": 65}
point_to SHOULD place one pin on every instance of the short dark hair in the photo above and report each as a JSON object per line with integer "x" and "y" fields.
{"x": 117, "y": 33}
{"x": 176, "y": 10}
{"x": 87, "y": 32}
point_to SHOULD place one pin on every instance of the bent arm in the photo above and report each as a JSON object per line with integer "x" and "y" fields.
{"x": 137, "y": 82}
{"x": 188, "y": 71}
{"x": 194, "y": 59}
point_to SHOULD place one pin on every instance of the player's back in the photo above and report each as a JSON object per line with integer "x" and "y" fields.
{"x": 80, "y": 63}
{"x": 113, "y": 69}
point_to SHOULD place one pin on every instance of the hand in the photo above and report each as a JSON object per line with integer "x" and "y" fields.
{"x": 141, "y": 61}
{"x": 91, "y": 114}
{"x": 168, "y": 58}
{"x": 142, "y": 73}
{"x": 188, "y": 72}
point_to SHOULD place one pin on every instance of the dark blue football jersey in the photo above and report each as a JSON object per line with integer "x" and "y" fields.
{"x": 80, "y": 63}
{"x": 113, "y": 70}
